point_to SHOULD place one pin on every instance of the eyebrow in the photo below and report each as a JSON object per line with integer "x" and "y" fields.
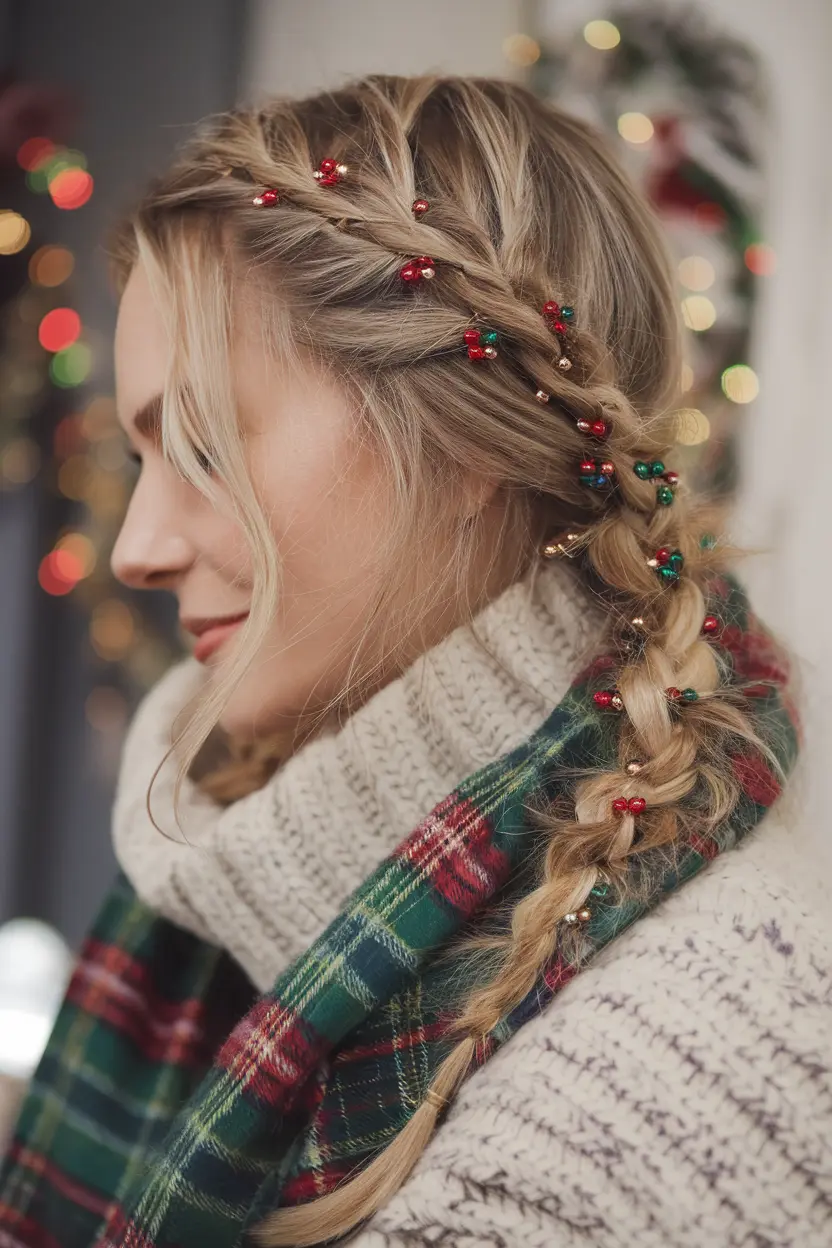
{"x": 148, "y": 419}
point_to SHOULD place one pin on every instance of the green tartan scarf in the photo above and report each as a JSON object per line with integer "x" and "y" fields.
{"x": 174, "y": 1108}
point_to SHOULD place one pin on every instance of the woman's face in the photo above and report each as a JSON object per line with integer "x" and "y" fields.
{"x": 323, "y": 489}
{"x": 324, "y": 494}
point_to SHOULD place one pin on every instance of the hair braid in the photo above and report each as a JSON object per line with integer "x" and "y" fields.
{"x": 526, "y": 206}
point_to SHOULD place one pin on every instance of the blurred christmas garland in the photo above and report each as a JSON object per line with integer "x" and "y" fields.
{"x": 684, "y": 102}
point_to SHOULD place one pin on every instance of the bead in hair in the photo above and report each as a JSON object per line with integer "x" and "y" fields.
{"x": 267, "y": 198}
{"x": 608, "y": 699}
{"x": 655, "y": 470}
{"x": 710, "y": 625}
{"x": 329, "y": 172}
{"x": 667, "y": 564}
{"x": 635, "y": 805}
{"x": 594, "y": 428}
{"x": 416, "y": 270}
{"x": 481, "y": 344}
{"x": 682, "y": 695}
{"x": 419, "y": 208}
{"x": 597, "y": 475}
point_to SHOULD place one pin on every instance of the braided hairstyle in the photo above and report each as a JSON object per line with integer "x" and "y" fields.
{"x": 526, "y": 205}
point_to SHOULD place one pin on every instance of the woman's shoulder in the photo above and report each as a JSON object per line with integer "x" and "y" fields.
{"x": 678, "y": 1091}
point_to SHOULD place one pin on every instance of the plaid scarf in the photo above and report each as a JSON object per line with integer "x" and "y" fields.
{"x": 175, "y": 1107}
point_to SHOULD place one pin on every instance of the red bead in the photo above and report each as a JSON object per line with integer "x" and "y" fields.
{"x": 607, "y": 468}
{"x": 476, "y": 353}
{"x": 420, "y": 207}
{"x": 410, "y": 273}
{"x": 672, "y": 478}
{"x": 599, "y": 429}
{"x": 551, "y": 308}
{"x": 424, "y": 262}
{"x": 328, "y": 166}
{"x": 328, "y": 179}
{"x": 268, "y": 197}
{"x": 587, "y": 466}
{"x": 602, "y": 698}
{"x": 471, "y": 336}
{"x": 674, "y": 694}
{"x": 710, "y": 624}
{"x": 662, "y": 556}
{"x": 620, "y": 805}
{"x": 637, "y": 805}
{"x": 558, "y": 327}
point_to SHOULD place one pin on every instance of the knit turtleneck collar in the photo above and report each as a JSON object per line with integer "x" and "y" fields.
{"x": 264, "y": 876}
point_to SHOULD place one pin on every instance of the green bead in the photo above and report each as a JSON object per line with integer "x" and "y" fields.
{"x": 707, "y": 541}
{"x": 664, "y": 495}
{"x": 490, "y": 339}
{"x": 641, "y": 469}
{"x": 600, "y": 890}
{"x": 690, "y": 695}
{"x": 676, "y": 560}
{"x": 668, "y": 574}
{"x": 567, "y": 313}
{"x": 656, "y": 468}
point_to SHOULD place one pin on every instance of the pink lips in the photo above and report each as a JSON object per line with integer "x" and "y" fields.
{"x": 213, "y": 638}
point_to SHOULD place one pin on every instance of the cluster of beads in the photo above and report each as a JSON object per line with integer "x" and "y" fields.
{"x": 329, "y": 172}
{"x": 481, "y": 344}
{"x": 578, "y": 916}
{"x": 416, "y": 270}
{"x": 682, "y": 695}
{"x": 598, "y": 476}
{"x": 608, "y": 699}
{"x": 635, "y": 805}
{"x": 419, "y": 208}
{"x": 556, "y": 318}
{"x": 267, "y": 198}
{"x": 668, "y": 564}
{"x": 655, "y": 470}
{"x": 595, "y": 428}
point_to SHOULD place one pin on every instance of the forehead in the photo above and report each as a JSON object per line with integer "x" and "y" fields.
{"x": 141, "y": 350}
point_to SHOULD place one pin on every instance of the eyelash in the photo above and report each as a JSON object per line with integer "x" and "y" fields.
{"x": 204, "y": 463}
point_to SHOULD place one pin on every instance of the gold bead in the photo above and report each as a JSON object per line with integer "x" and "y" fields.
{"x": 428, "y": 273}
{"x": 584, "y": 914}
{"x": 542, "y": 396}
{"x": 258, "y": 201}
{"x": 317, "y": 175}
{"x": 564, "y": 365}
{"x": 616, "y": 703}
{"x": 342, "y": 169}
{"x": 570, "y": 918}
{"x": 490, "y": 352}
{"x": 652, "y": 563}
{"x": 633, "y": 768}
{"x": 561, "y": 545}
{"x": 637, "y": 621}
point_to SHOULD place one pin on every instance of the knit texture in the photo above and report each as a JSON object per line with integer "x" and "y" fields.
{"x": 219, "y": 1148}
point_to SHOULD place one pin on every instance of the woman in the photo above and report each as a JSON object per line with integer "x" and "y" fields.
{"x": 472, "y": 693}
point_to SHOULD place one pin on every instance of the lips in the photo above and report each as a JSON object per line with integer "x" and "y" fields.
{"x": 212, "y": 636}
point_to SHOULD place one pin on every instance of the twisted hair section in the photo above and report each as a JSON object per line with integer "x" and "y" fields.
{"x": 526, "y": 205}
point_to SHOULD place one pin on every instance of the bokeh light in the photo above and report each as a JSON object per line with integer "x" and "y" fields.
{"x": 521, "y": 50}
{"x": 709, "y": 216}
{"x": 59, "y": 329}
{"x": 59, "y": 572}
{"x": 692, "y": 426}
{"x": 760, "y": 259}
{"x": 687, "y": 378}
{"x": 602, "y": 35}
{"x": 696, "y": 273}
{"x": 112, "y": 629}
{"x": 15, "y": 232}
{"x": 20, "y": 462}
{"x": 106, "y": 709}
{"x": 72, "y": 366}
{"x": 74, "y": 477}
{"x": 699, "y": 313}
{"x": 34, "y": 152}
{"x": 50, "y": 266}
{"x": 635, "y": 127}
{"x": 82, "y": 550}
{"x": 99, "y": 420}
{"x": 71, "y": 188}
{"x": 740, "y": 384}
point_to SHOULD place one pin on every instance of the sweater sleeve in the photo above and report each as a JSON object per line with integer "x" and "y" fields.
{"x": 677, "y": 1094}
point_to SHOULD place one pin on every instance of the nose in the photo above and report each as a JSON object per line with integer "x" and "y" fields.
{"x": 152, "y": 549}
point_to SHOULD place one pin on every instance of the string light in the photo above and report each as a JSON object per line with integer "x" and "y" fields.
{"x": 699, "y": 313}
{"x": 521, "y": 50}
{"x": 34, "y": 152}
{"x": 59, "y": 572}
{"x": 635, "y": 127}
{"x": 15, "y": 232}
{"x": 51, "y": 266}
{"x": 602, "y": 35}
{"x": 71, "y": 366}
{"x": 740, "y": 384}
{"x": 20, "y": 462}
{"x": 692, "y": 426}
{"x": 71, "y": 188}
{"x": 696, "y": 273}
{"x": 106, "y": 709}
{"x": 59, "y": 329}
{"x": 82, "y": 551}
{"x": 760, "y": 259}
{"x": 687, "y": 378}
{"x": 112, "y": 629}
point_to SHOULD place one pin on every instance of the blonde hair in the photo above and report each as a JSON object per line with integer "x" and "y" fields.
{"x": 526, "y": 205}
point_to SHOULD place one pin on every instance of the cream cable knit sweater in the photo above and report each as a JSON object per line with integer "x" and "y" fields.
{"x": 677, "y": 1093}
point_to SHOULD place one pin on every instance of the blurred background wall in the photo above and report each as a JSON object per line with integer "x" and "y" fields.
{"x": 719, "y": 109}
